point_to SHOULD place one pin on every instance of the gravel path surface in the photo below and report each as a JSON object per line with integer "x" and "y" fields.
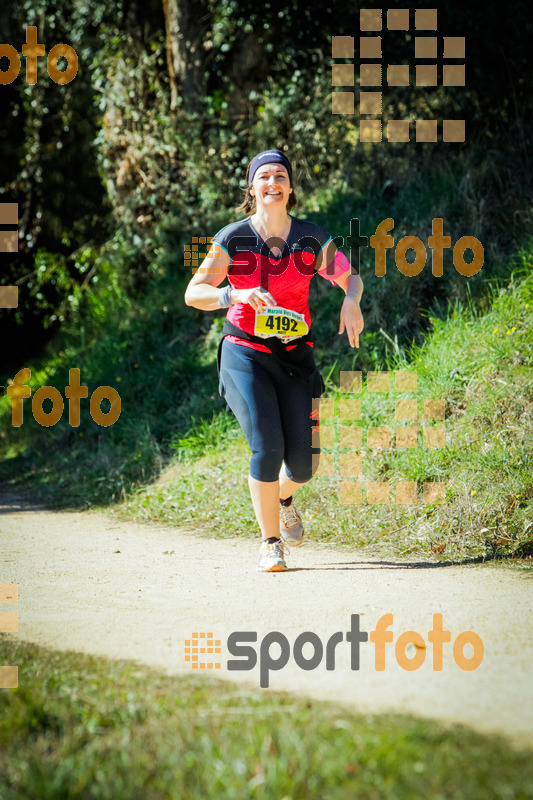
{"x": 77, "y": 593}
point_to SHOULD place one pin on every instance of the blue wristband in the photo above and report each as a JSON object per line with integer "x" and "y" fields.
{"x": 224, "y": 297}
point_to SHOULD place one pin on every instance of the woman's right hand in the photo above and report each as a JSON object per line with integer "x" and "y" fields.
{"x": 257, "y": 297}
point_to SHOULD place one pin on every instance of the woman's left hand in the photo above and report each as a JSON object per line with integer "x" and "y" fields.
{"x": 352, "y": 320}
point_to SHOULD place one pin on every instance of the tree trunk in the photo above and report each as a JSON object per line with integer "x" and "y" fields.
{"x": 186, "y": 23}
{"x": 249, "y": 68}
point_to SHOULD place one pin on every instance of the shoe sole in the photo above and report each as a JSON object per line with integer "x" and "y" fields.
{"x": 275, "y": 568}
{"x": 292, "y": 543}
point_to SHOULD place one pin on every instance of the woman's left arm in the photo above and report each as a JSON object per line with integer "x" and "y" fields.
{"x": 351, "y": 317}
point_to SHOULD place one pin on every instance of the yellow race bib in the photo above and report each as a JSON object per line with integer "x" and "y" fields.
{"x": 280, "y": 322}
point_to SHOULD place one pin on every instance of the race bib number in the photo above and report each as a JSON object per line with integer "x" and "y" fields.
{"x": 281, "y": 322}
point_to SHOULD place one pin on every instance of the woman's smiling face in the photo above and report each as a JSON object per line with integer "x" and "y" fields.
{"x": 271, "y": 185}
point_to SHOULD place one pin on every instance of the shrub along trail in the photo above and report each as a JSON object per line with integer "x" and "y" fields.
{"x": 90, "y": 582}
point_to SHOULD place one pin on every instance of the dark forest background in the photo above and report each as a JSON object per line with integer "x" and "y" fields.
{"x": 147, "y": 147}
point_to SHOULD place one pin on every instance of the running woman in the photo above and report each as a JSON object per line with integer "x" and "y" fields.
{"x": 266, "y": 367}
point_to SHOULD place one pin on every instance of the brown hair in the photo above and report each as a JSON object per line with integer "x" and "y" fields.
{"x": 248, "y": 204}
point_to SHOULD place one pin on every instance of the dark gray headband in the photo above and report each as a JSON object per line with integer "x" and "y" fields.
{"x": 268, "y": 157}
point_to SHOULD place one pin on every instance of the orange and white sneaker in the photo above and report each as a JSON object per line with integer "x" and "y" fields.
{"x": 271, "y": 557}
{"x": 290, "y": 525}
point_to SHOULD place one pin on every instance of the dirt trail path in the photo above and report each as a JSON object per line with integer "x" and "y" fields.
{"x": 76, "y": 592}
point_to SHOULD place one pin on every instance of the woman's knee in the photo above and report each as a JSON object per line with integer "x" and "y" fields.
{"x": 303, "y": 471}
{"x": 265, "y": 464}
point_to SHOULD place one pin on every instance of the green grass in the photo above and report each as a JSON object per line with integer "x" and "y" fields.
{"x": 174, "y": 455}
{"x": 83, "y": 728}
{"x": 480, "y": 365}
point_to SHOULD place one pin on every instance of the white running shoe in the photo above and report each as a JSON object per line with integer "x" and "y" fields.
{"x": 290, "y": 525}
{"x": 271, "y": 557}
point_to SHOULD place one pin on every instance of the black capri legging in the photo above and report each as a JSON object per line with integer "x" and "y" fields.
{"x": 273, "y": 410}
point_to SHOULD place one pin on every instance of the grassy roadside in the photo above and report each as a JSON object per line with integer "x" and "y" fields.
{"x": 480, "y": 364}
{"x": 81, "y": 727}
{"x": 481, "y": 367}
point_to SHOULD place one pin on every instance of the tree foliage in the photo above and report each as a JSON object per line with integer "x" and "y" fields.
{"x": 149, "y": 144}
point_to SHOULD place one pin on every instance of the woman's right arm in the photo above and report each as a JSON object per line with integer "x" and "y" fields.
{"x": 202, "y": 292}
